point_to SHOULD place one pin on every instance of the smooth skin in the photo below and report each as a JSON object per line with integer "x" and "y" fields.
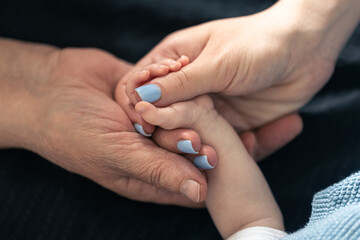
{"x": 238, "y": 195}
{"x": 261, "y": 66}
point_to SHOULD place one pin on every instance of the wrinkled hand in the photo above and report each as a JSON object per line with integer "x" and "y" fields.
{"x": 76, "y": 124}
{"x": 59, "y": 104}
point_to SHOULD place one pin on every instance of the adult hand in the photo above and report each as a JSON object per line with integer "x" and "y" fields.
{"x": 59, "y": 104}
{"x": 264, "y": 66}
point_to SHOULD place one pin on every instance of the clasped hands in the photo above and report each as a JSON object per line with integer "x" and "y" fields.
{"x": 257, "y": 85}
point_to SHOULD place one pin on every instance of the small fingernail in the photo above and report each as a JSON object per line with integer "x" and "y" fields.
{"x": 140, "y": 109}
{"x": 144, "y": 72}
{"x": 191, "y": 190}
{"x": 149, "y": 93}
{"x": 163, "y": 67}
{"x": 185, "y": 146}
{"x": 175, "y": 64}
{"x": 202, "y": 162}
{"x": 140, "y": 130}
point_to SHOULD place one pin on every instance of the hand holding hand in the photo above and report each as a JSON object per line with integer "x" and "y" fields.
{"x": 64, "y": 110}
{"x": 262, "y": 66}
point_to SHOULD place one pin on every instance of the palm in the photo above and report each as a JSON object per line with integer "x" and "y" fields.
{"x": 294, "y": 88}
{"x": 87, "y": 132}
{"x": 254, "y": 110}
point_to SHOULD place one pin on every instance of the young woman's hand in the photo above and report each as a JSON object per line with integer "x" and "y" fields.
{"x": 261, "y": 66}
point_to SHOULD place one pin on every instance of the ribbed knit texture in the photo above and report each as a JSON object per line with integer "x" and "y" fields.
{"x": 335, "y": 214}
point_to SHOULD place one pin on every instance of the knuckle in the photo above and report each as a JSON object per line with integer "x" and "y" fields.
{"x": 205, "y": 102}
{"x": 185, "y": 115}
{"x": 167, "y": 124}
{"x": 178, "y": 82}
{"x": 193, "y": 114}
{"x": 181, "y": 79}
{"x": 226, "y": 69}
{"x": 154, "y": 171}
{"x": 204, "y": 105}
{"x": 157, "y": 173}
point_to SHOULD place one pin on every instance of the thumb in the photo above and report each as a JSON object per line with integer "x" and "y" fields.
{"x": 269, "y": 138}
{"x": 193, "y": 80}
{"x": 166, "y": 170}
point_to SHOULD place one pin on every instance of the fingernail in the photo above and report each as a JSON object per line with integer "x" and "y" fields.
{"x": 149, "y": 93}
{"x": 140, "y": 130}
{"x": 175, "y": 64}
{"x": 185, "y": 146}
{"x": 163, "y": 67}
{"x": 202, "y": 162}
{"x": 191, "y": 190}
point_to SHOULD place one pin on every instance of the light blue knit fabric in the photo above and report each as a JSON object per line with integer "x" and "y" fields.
{"x": 335, "y": 213}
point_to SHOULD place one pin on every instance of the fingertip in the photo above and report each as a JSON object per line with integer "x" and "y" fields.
{"x": 183, "y": 60}
{"x": 139, "y": 128}
{"x": 135, "y": 80}
{"x": 210, "y": 154}
{"x": 298, "y": 124}
{"x": 193, "y": 136}
{"x": 142, "y": 107}
{"x": 175, "y": 66}
{"x": 163, "y": 69}
{"x": 147, "y": 111}
{"x": 287, "y": 128}
{"x": 207, "y": 158}
{"x": 143, "y": 76}
{"x": 186, "y": 146}
{"x": 193, "y": 190}
{"x": 148, "y": 92}
{"x": 202, "y": 162}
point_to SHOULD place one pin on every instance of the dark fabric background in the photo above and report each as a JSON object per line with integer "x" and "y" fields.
{"x": 39, "y": 200}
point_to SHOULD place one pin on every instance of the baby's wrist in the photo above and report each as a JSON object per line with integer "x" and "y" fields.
{"x": 275, "y": 222}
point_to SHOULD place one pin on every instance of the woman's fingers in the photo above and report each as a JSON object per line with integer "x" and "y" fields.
{"x": 178, "y": 115}
{"x": 140, "y": 125}
{"x": 180, "y": 141}
{"x": 138, "y": 77}
{"x": 191, "y": 114}
{"x": 271, "y": 137}
{"x": 136, "y": 87}
{"x": 141, "y": 191}
{"x": 206, "y": 159}
{"x": 185, "y": 141}
{"x": 192, "y": 80}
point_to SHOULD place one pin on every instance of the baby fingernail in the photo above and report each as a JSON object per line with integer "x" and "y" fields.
{"x": 185, "y": 146}
{"x": 163, "y": 67}
{"x": 202, "y": 162}
{"x": 149, "y": 93}
{"x": 175, "y": 64}
{"x": 140, "y": 130}
{"x": 191, "y": 190}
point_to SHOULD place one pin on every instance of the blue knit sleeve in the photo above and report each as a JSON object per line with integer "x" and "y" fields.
{"x": 335, "y": 213}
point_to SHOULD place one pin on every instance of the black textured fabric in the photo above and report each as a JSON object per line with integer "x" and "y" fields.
{"x": 41, "y": 201}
